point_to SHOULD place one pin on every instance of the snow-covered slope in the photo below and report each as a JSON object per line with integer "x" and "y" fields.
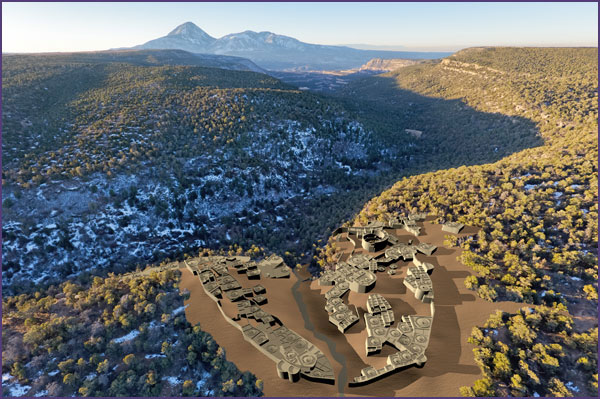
{"x": 186, "y": 37}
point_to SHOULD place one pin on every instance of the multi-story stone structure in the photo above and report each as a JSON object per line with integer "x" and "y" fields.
{"x": 293, "y": 355}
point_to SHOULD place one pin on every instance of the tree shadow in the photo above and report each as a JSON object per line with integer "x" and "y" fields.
{"x": 443, "y": 251}
{"x": 454, "y": 134}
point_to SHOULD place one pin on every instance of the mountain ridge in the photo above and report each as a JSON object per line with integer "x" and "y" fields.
{"x": 274, "y": 51}
{"x": 149, "y": 57}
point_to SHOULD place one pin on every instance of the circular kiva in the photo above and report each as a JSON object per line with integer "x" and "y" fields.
{"x": 415, "y": 348}
{"x": 374, "y": 341}
{"x": 339, "y": 316}
{"x": 423, "y": 322}
{"x": 300, "y": 345}
{"x": 405, "y": 340}
{"x": 291, "y": 356}
{"x": 396, "y": 361}
{"x": 341, "y": 307}
{"x": 407, "y": 355}
{"x": 335, "y": 301}
{"x": 379, "y": 331}
{"x": 405, "y": 328}
{"x": 343, "y": 286}
{"x": 374, "y": 321}
{"x": 308, "y": 359}
{"x": 420, "y": 339}
{"x": 371, "y": 372}
{"x": 357, "y": 260}
{"x": 395, "y": 333}
{"x": 272, "y": 348}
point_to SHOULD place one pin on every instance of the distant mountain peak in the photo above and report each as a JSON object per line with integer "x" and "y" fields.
{"x": 271, "y": 50}
{"x": 190, "y": 30}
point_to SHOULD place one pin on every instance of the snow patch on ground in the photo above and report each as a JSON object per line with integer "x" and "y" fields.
{"x": 571, "y": 386}
{"x": 201, "y": 384}
{"x": 172, "y": 380}
{"x": 180, "y": 309}
{"x": 132, "y": 334}
{"x": 18, "y": 389}
{"x": 154, "y": 355}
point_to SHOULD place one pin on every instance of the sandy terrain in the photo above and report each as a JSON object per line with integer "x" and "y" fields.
{"x": 450, "y": 362}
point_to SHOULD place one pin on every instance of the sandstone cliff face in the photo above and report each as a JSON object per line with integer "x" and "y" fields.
{"x": 379, "y": 64}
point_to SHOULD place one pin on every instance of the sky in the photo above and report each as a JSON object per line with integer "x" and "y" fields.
{"x": 42, "y": 27}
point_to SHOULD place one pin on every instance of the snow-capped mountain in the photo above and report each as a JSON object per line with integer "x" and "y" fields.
{"x": 186, "y": 36}
{"x": 189, "y": 31}
{"x": 273, "y": 51}
{"x": 253, "y": 41}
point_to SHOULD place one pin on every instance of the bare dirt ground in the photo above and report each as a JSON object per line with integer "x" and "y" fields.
{"x": 450, "y": 362}
{"x": 281, "y": 304}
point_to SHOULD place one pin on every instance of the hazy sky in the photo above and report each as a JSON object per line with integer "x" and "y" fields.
{"x": 33, "y": 27}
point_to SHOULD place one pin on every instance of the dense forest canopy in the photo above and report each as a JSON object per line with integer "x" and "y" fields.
{"x": 118, "y": 336}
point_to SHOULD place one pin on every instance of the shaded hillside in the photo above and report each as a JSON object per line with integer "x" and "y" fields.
{"x": 454, "y": 133}
{"x": 125, "y": 335}
{"x": 537, "y": 208}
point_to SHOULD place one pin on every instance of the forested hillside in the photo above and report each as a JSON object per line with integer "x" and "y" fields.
{"x": 113, "y": 159}
{"x": 124, "y": 335}
{"x": 111, "y": 164}
{"x": 537, "y": 209}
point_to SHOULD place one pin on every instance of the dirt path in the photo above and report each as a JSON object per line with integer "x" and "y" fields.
{"x": 342, "y": 377}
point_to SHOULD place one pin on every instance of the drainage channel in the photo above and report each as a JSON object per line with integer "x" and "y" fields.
{"x": 342, "y": 376}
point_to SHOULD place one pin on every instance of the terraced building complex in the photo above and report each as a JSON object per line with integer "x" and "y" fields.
{"x": 293, "y": 355}
{"x": 367, "y": 250}
{"x": 380, "y": 249}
